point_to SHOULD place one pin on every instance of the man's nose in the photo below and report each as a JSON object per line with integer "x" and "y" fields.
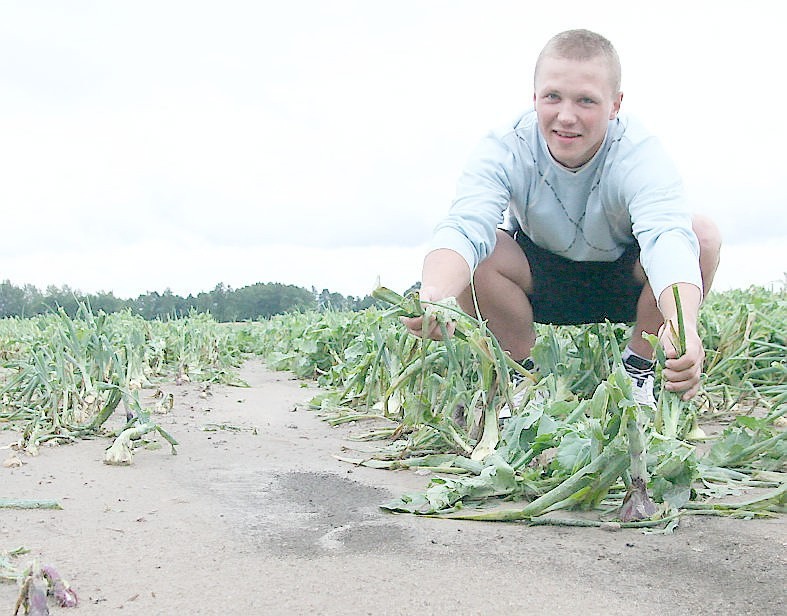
{"x": 566, "y": 114}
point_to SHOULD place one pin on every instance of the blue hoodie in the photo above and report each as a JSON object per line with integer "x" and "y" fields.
{"x": 629, "y": 191}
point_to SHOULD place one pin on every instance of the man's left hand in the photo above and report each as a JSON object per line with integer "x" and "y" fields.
{"x": 682, "y": 374}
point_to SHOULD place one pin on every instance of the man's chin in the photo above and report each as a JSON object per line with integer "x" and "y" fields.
{"x": 567, "y": 158}
{"x": 569, "y": 154}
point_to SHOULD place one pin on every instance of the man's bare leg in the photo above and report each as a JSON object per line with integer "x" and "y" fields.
{"x": 502, "y": 283}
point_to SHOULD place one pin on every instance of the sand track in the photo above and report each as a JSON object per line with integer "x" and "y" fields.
{"x": 264, "y": 520}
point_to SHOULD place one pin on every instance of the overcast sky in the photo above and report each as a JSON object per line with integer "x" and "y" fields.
{"x": 176, "y": 144}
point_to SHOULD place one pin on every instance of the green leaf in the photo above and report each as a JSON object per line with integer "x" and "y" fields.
{"x": 733, "y": 442}
{"x": 573, "y": 452}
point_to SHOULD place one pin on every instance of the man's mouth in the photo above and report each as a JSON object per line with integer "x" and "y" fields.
{"x": 566, "y": 135}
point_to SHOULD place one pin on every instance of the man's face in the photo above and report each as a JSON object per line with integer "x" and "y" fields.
{"x": 574, "y": 100}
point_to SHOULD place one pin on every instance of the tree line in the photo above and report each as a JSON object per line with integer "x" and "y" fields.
{"x": 260, "y": 300}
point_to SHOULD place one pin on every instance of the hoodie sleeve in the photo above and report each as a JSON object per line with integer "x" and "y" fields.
{"x": 661, "y": 221}
{"x": 482, "y": 196}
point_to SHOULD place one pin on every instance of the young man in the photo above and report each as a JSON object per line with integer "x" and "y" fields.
{"x": 595, "y": 223}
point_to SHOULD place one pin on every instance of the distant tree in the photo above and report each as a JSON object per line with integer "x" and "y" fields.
{"x": 106, "y": 302}
{"x": 215, "y": 301}
{"x": 145, "y": 305}
{"x": 168, "y": 305}
{"x": 255, "y": 301}
{"x": 34, "y": 301}
{"x": 364, "y": 303}
{"x": 277, "y": 298}
{"x": 332, "y": 301}
{"x": 12, "y": 300}
{"x": 65, "y": 298}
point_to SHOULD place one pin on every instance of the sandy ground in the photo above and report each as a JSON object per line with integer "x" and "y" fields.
{"x": 267, "y": 521}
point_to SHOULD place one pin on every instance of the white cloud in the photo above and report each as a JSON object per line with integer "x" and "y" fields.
{"x": 200, "y": 138}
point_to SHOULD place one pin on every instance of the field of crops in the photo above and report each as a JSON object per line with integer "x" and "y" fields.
{"x": 63, "y": 378}
{"x": 576, "y": 451}
{"x": 575, "y": 441}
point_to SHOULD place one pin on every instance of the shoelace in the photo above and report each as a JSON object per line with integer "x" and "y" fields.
{"x": 638, "y": 369}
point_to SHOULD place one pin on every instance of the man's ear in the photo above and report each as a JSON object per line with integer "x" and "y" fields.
{"x": 616, "y": 106}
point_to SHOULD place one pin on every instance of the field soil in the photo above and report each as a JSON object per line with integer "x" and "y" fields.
{"x": 255, "y": 515}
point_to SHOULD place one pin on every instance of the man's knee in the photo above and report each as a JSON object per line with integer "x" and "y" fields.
{"x": 708, "y": 235}
{"x": 507, "y": 261}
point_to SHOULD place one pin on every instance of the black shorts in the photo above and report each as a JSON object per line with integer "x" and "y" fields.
{"x": 567, "y": 292}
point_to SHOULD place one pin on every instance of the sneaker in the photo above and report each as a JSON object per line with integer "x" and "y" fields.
{"x": 517, "y": 397}
{"x": 642, "y": 374}
{"x": 521, "y": 385}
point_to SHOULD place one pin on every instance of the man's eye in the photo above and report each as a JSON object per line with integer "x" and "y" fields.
{"x": 552, "y": 96}
{"x": 586, "y": 101}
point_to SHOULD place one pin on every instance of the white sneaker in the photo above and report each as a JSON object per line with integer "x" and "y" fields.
{"x": 523, "y": 391}
{"x": 642, "y": 388}
{"x": 520, "y": 392}
{"x": 642, "y": 380}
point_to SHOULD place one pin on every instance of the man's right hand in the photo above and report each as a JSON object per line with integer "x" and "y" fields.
{"x": 427, "y": 326}
{"x": 445, "y": 274}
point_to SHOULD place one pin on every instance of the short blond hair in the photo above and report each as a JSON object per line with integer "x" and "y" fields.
{"x": 582, "y": 45}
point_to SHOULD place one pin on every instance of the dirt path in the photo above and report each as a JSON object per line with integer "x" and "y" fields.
{"x": 270, "y": 523}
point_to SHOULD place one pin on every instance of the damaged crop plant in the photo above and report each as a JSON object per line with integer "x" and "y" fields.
{"x": 63, "y": 377}
{"x": 577, "y": 441}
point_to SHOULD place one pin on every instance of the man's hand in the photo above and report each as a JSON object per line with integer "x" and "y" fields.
{"x": 445, "y": 274}
{"x": 427, "y": 325}
{"x": 682, "y": 374}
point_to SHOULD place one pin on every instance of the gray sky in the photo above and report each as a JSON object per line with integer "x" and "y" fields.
{"x": 177, "y": 144}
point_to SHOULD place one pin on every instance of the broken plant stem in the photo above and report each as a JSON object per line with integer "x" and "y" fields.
{"x": 637, "y": 504}
{"x": 681, "y": 341}
{"x": 670, "y": 405}
{"x": 612, "y": 453}
{"x": 17, "y": 503}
